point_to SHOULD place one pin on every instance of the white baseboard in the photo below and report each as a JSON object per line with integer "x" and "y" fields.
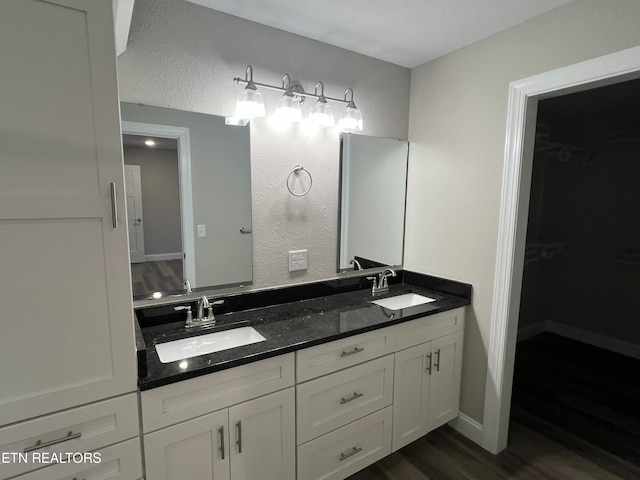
{"x": 468, "y": 427}
{"x": 162, "y": 256}
{"x": 585, "y": 336}
{"x": 531, "y": 330}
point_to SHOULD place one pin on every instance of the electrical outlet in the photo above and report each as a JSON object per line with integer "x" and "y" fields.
{"x": 297, "y": 260}
{"x": 202, "y": 231}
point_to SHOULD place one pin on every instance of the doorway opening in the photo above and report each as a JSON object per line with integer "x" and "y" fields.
{"x": 524, "y": 96}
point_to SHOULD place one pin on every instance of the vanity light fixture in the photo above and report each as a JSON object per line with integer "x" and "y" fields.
{"x": 321, "y": 113}
{"x": 150, "y": 142}
{"x": 251, "y": 105}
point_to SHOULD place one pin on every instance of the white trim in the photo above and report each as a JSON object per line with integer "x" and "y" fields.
{"x": 468, "y": 427}
{"x": 596, "y": 339}
{"x": 345, "y": 166}
{"x": 186, "y": 196}
{"x": 158, "y": 257}
{"x": 122, "y": 13}
{"x": 512, "y": 227}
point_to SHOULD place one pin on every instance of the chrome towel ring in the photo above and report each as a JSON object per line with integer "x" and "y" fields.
{"x": 296, "y": 171}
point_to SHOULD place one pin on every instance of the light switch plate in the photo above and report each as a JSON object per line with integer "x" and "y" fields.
{"x": 297, "y": 260}
{"x": 202, "y": 231}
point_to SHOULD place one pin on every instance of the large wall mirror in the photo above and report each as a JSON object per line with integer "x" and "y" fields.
{"x": 373, "y": 181}
{"x": 188, "y": 180}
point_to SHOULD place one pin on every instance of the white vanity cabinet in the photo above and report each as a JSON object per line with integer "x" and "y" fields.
{"x": 427, "y": 377}
{"x": 235, "y": 424}
{"x": 66, "y": 297}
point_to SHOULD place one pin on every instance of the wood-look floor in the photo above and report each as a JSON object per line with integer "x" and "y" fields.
{"x": 575, "y": 415}
{"x": 160, "y": 276}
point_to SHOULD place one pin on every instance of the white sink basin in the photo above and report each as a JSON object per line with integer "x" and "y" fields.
{"x": 403, "y": 301}
{"x": 209, "y": 343}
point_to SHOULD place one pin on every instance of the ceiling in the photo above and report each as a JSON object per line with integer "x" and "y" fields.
{"x": 404, "y": 32}
{"x": 138, "y": 141}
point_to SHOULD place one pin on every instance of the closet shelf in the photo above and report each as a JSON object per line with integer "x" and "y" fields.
{"x": 536, "y": 251}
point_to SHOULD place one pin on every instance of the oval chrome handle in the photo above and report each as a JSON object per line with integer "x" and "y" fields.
{"x": 350, "y": 453}
{"x": 221, "y": 432}
{"x": 351, "y": 398}
{"x": 39, "y": 444}
{"x": 351, "y": 352}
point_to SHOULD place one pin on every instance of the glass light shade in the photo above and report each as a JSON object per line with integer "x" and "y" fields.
{"x": 351, "y": 121}
{"x": 288, "y": 109}
{"x": 250, "y": 104}
{"x": 321, "y": 114}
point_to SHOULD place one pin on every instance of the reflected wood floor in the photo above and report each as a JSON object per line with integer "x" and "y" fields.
{"x": 575, "y": 415}
{"x": 160, "y": 276}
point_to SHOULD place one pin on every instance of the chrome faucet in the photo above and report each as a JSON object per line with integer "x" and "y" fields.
{"x": 356, "y": 264}
{"x": 380, "y": 283}
{"x": 200, "y": 319}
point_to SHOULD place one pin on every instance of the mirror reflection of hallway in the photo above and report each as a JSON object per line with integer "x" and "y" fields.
{"x": 153, "y": 211}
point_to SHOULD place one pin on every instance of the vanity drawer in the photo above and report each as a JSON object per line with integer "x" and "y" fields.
{"x": 329, "y": 402}
{"x": 117, "y": 462}
{"x": 82, "y": 429}
{"x": 345, "y": 451}
{"x": 191, "y": 398}
{"x": 425, "y": 329}
{"x": 333, "y": 356}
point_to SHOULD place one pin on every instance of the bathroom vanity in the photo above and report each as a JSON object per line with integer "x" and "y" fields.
{"x": 338, "y": 383}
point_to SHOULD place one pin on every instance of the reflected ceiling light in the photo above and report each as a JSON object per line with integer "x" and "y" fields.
{"x": 321, "y": 113}
{"x": 250, "y": 103}
{"x": 351, "y": 120}
{"x": 150, "y": 142}
{"x": 288, "y": 107}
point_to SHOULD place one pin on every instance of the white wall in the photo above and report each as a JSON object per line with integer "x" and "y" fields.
{"x": 184, "y": 56}
{"x": 457, "y": 134}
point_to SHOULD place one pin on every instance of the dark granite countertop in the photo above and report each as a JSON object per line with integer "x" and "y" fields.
{"x": 292, "y": 326}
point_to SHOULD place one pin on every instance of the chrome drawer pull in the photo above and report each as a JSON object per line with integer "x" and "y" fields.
{"x": 39, "y": 444}
{"x": 350, "y": 453}
{"x": 221, "y": 432}
{"x": 352, "y": 397}
{"x": 114, "y": 206}
{"x": 429, "y": 367}
{"x": 239, "y": 431}
{"x": 436, "y": 363}
{"x": 351, "y": 352}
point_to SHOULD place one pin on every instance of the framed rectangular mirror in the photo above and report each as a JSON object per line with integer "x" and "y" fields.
{"x": 188, "y": 201}
{"x": 373, "y": 184}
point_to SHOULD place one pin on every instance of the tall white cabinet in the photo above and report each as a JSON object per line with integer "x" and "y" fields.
{"x": 65, "y": 297}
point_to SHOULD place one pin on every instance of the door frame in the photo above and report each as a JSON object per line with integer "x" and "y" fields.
{"x": 514, "y": 201}
{"x": 139, "y": 255}
{"x": 181, "y": 134}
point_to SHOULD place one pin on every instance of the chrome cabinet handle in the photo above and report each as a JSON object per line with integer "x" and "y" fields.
{"x": 351, "y": 398}
{"x": 39, "y": 444}
{"x": 429, "y": 367}
{"x": 239, "y": 441}
{"x": 114, "y": 205}
{"x": 245, "y": 230}
{"x": 351, "y": 352}
{"x": 436, "y": 363}
{"x": 350, "y": 453}
{"x": 221, "y": 432}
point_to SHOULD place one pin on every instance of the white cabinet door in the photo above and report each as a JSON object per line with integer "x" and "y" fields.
{"x": 66, "y": 294}
{"x": 411, "y": 394}
{"x": 263, "y": 436}
{"x": 195, "y": 450}
{"x": 444, "y": 393}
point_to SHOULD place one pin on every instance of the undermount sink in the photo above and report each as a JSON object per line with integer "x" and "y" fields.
{"x": 403, "y": 301}
{"x": 209, "y": 343}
